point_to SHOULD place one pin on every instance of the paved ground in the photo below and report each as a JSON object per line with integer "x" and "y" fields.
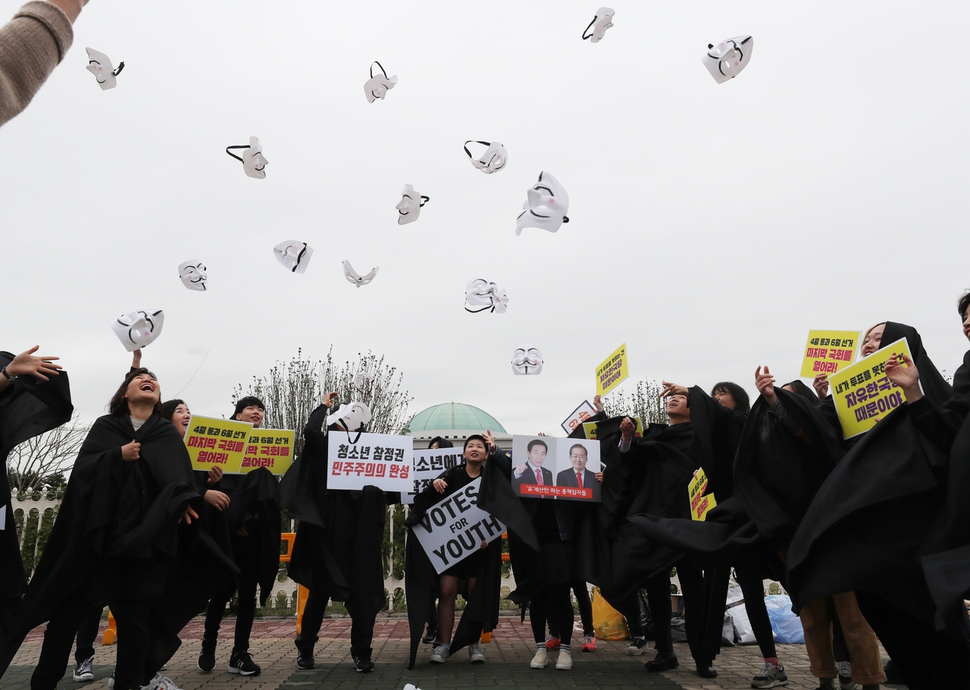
{"x": 507, "y": 665}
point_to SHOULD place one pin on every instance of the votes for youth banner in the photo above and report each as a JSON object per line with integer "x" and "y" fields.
{"x": 455, "y": 528}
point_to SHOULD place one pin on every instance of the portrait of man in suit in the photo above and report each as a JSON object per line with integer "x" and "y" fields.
{"x": 532, "y": 472}
{"x": 578, "y": 476}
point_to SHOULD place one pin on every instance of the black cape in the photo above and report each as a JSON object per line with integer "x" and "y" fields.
{"x": 117, "y": 526}
{"x": 28, "y": 407}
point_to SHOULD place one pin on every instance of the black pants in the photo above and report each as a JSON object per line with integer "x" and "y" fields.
{"x": 58, "y": 640}
{"x": 658, "y": 598}
{"x": 134, "y": 666}
{"x": 705, "y": 593}
{"x": 87, "y": 633}
{"x": 753, "y": 588}
{"x": 246, "y": 557}
{"x": 927, "y": 659}
{"x": 361, "y": 627}
{"x": 585, "y": 611}
{"x": 552, "y": 604}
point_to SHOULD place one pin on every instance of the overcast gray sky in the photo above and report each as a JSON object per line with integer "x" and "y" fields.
{"x": 712, "y": 225}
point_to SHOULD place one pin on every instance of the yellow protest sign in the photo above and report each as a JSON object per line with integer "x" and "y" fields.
{"x": 589, "y": 428}
{"x": 613, "y": 371}
{"x": 863, "y": 393}
{"x": 216, "y": 443}
{"x": 829, "y": 351}
{"x": 700, "y": 503}
{"x": 269, "y": 448}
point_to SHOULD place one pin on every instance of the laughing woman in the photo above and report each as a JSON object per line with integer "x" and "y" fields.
{"x": 116, "y": 530}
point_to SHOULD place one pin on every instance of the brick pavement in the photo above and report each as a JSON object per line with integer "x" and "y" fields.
{"x": 507, "y": 665}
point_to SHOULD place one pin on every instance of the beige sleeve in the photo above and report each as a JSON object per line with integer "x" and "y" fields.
{"x": 31, "y": 46}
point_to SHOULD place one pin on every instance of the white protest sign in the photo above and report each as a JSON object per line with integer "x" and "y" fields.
{"x": 578, "y": 416}
{"x": 358, "y": 460}
{"x": 455, "y": 528}
{"x": 428, "y": 464}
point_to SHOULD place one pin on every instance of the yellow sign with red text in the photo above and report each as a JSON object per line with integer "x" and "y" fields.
{"x": 216, "y": 443}
{"x": 700, "y": 503}
{"x": 829, "y": 351}
{"x": 269, "y": 448}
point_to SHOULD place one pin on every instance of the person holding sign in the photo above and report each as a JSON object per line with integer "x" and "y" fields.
{"x": 116, "y": 533}
{"x": 477, "y": 450}
{"x": 337, "y": 552}
{"x": 895, "y": 463}
{"x": 251, "y": 513}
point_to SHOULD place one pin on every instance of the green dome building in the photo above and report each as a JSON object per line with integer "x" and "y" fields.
{"x": 455, "y": 422}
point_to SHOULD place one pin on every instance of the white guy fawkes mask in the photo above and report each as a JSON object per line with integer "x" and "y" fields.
{"x": 482, "y": 295}
{"x": 100, "y": 66}
{"x": 527, "y": 360}
{"x": 138, "y": 329}
{"x": 377, "y": 87}
{"x": 352, "y": 276}
{"x": 545, "y": 207}
{"x": 193, "y": 275}
{"x": 601, "y": 22}
{"x": 494, "y": 158}
{"x": 351, "y": 415}
{"x": 726, "y": 59}
{"x": 410, "y": 207}
{"x": 293, "y": 255}
{"x": 253, "y": 160}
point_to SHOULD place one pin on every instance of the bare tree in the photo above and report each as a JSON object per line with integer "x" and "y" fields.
{"x": 646, "y": 403}
{"x": 293, "y": 389}
{"x": 40, "y": 462}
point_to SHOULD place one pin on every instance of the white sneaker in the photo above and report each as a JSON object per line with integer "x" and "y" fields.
{"x": 845, "y": 676}
{"x": 111, "y": 680}
{"x": 539, "y": 660}
{"x": 160, "y": 682}
{"x": 83, "y": 672}
{"x": 565, "y": 660}
{"x": 476, "y": 654}
{"x": 441, "y": 654}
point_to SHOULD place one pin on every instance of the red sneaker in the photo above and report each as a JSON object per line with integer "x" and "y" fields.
{"x": 589, "y": 644}
{"x": 552, "y": 642}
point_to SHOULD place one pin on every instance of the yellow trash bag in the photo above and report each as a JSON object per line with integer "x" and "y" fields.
{"x": 607, "y": 621}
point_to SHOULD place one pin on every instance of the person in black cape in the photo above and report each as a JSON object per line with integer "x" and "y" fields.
{"x": 117, "y": 528}
{"x": 478, "y": 576}
{"x": 252, "y": 521}
{"x": 337, "y": 550}
{"x": 35, "y": 397}
{"x": 879, "y": 504}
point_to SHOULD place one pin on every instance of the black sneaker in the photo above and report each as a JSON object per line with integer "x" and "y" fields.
{"x": 636, "y": 646}
{"x": 243, "y": 664}
{"x": 304, "y": 656}
{"x": 207, "y": 659}
{"x": 364, "y": 665}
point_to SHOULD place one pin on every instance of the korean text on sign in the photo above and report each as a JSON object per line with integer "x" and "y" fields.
{"x": 701, "y": 502}
{"x": 829, "y": 351}
{"x": 613, "y": 371}
{"x": 269, "y": 448}
{"x": 428, "y": 465}
{"x": 355, "y": 461}
{"x": 583, "y": 412}
{"x": 216, "y": 443}
{"x": 863, "y": 393}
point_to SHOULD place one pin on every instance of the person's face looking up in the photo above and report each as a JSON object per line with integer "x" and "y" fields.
{"x": 873, "y": 339}
{"x": 725, "y": 398}
{"x": 253, "y": 414}
{"x": 677, "y": 405}
{"x": 475, "y": 451}
{"x": 180, "y": 418}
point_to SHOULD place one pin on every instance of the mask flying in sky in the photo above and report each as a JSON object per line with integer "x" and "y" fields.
{"x": 193, "y": 275}
{"x": 480, "y": 295}
{"x": 138, "y": 329}
{"x": 377, "y": 86}
{"x": 410, "y": 207}
{"x": 352, "y": 276}
{"x": 352, "y": 415}
{"x": 527, "y": 360}
{"x": 726, "y": 59}
{"x": 494, "y": 158}
{"x": 254, "y": 163}
{"x": 293, "y": 255}
{"x": 601, "y": 22}
{"x": 545, "y": 207}
{"x": 100, "y": 66}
